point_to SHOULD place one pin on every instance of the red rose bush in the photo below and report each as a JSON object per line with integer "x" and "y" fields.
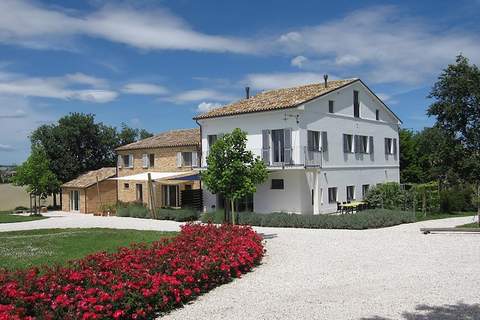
{"x": 138, "y": 282}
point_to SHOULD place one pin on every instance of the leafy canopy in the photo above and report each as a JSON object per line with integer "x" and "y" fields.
{"x": 231, "y": 169}
{"x": 36, "y": 174}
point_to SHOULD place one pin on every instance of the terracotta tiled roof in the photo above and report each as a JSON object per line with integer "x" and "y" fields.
{"x": 277, "y": 99}
{"x": 174, "y": 138}
{"x": 90, "y": 178}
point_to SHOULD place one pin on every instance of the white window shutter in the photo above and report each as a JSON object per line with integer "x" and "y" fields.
{"x": 179, "y": 159}
{"x": 130, "y": 160}
{"x": 145, "y": 160}
{"x": 119, "y": 161}
{"x": 324, "y": 141}
{"x": 194, "y": 159}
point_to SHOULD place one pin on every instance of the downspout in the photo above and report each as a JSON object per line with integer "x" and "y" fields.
{"x": 201, "y": 153}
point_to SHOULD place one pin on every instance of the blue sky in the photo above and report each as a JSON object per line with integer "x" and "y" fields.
{"x": 155, "y": 64}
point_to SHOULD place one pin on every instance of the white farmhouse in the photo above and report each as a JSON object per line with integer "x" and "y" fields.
{"x": 322, "y": 143}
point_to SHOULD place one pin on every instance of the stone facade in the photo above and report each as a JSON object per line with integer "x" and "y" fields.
{"x": 165, "y": 160}
{"x": 89, "y": 202}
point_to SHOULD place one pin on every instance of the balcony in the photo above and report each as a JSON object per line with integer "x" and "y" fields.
{"x": 298, "y": 156}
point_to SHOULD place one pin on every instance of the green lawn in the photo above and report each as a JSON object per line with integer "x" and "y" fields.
{"x": 23, "y": 249}
{"x": 8, "y": 217}
{"x": 435, "y": 216}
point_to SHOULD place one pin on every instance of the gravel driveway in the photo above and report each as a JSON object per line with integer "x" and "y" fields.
{"x": 390, "y": 273}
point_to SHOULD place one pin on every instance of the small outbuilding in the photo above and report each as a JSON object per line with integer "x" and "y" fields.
{"x": 90, "y": 191}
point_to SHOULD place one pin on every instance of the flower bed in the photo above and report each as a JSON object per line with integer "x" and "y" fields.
{"x": 138, "y": 282}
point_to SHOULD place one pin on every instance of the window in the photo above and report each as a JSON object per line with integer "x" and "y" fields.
{"x": 332, "y": 195}
{"x": 277, "y": 184}
{"x": 390, "y": 146}
{"x": 365, "y": 188}
{"x": 126, "y": 186}
{"x": 377, "y": 114}
{"x": 313, "y": 140}
{"x": 186, "y": 159}
{"x": 350, "y": 193}
{"x": 170, "y": 195}
{"x": 212, "y": 138}
{"x": 356, "y": 105}
{"x": 139, "y": 192}
{"x": 148, "y": 160}
{"x": 127, "y": 160}
{"x": 363, "y": 144}
{"x": 151, "y": 160}
{"x": 348, "y": 143}
{"x": 331, "y": 104}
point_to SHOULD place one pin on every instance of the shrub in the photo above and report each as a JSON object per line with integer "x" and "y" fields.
{"x": 388, "y": 195}
{"x": 108, "y": 207}
{"x": 132, "y": 209}
{"x": 367, "y": 219}
{"x": 179, "y": 215}
{"x": 21, "y": 208}
{"x": 139, "y": 282}
{"x": 213, "y": 217}
{"x": 458, "y": 198}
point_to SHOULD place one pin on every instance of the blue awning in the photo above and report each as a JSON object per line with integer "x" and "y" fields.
{"x": 193, "y": 177}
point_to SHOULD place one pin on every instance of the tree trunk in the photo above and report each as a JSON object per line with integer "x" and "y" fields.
{"x": 232, "y": 202}
{"x": 55, "y": 200}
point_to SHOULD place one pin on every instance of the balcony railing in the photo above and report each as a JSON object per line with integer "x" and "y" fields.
{"x": 296, "y": 156}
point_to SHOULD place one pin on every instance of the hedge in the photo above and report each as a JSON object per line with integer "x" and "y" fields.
{"x": 138, "y": 210}
{"x": 368, "y": 219}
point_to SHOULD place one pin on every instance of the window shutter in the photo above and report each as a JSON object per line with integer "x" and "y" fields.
{"x": 387, "y": 147}
{"x": 266, "y": 146}
{"x": 179, "y": 159}
{"x": 288, "y": 145}
{"x": 145, "y": 160}
{"x": 130, "y": 160}
{"x": 194, "y": 159}
{"x": 357, "y": 148}
{"x": 119, "y": 161}
{"x": 370, "y": 145}
{"x": 395, "y": 146}
{"x": 324, "y": 141}
{"x": 345, "y": 143}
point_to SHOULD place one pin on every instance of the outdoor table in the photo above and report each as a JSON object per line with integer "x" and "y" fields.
{"x": 352, "y": 206}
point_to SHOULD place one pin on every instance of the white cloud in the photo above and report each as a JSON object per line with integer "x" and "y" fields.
{"x": 6, "y": 148}
{"x": 144, "y": 88}
{"x": 82, "y": 78}
{"x": 207, "y": 106}
{"x": 298, "y": 61}
{"x": 382, "y": 44}
{"x": 199, "y": 95}
{"x": 23, "y": 118}
{"x": 56, "y": 87}
{"x": 383, "y": 96}
{"x": 267, "y": 81}
{"x": 25, "y": 23}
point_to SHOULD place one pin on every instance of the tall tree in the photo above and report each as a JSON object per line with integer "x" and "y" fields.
{"x": 457, "y": 111}
{"x": 35, "y": 173}
{"x": 232, "y": 170}
{"x": 409, "y": 169}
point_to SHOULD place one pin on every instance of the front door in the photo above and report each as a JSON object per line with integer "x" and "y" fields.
{"x": 170, "y": 196}
{"x": 74, "y": 200}
{"x": 278, "y": 146}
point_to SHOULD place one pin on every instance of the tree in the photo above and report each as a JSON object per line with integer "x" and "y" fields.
{"x": 35, "y": 173}
{"x": 457, "y": 111}
{"x": 232, "y": 170}
{"x": 77, "y": 144}
{"x": 409, "y": 169}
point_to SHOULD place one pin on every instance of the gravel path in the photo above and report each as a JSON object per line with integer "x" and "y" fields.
{"x": 334, "y": 274}
{"x": 340, "y": 274}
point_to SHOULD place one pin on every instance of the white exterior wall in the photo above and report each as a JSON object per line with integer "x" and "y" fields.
{"x": 338, "y": 169}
